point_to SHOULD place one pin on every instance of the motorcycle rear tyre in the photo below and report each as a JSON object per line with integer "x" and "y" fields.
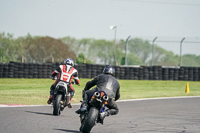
{"x": 56, "y": 105}
{"x": 91, "y": 120}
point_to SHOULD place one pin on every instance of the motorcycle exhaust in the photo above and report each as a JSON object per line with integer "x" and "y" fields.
{"x": 97, "y": 94}
{"x": 105, "y": 98}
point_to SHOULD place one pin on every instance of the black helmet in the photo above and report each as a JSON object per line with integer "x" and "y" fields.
{"x": 109, "y": 70}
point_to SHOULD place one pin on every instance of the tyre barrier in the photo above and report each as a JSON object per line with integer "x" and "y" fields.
{"x": 36, "y": 70}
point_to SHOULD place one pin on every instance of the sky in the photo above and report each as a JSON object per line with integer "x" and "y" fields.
{"x": 168, "y": 20}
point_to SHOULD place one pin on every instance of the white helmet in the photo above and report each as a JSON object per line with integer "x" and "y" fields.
{"x": 69, "y": 61}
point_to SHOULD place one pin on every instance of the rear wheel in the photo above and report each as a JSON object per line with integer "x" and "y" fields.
{"x": 56, "y": 105}
{"x": 90, "y": 121}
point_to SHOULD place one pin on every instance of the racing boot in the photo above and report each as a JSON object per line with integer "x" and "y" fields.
{"x": 69, "y": 105}
{"x": 50, "y": 99}
{"x": 84, "y": 104}
{"x": 103, "y": 115}
{"x": 83, "y": 108}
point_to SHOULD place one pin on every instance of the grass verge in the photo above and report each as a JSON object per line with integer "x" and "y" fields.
{"x": 36, "y": 91}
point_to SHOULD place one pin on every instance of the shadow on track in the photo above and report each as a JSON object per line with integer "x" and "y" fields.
{"x": 69, "y": 131}
{"x": 39, "y": 113}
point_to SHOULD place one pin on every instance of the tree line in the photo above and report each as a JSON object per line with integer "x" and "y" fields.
{"x": 42, "y": 49}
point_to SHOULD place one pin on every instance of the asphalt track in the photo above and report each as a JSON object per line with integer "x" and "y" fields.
{"x": 176, "y": 115}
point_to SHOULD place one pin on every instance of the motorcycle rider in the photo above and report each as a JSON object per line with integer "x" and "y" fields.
{"x": 66, "y": 73}
{"x": 104, "y": 82}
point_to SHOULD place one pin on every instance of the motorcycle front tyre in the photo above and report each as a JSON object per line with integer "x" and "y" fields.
{"x": 91, "y": 119}
{"x": 56, "y": 105}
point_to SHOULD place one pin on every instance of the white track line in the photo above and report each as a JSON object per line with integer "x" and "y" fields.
{"x": 127, "y": 100}
{"x": 5, "y": 105}
{"x": 158, "y": 98}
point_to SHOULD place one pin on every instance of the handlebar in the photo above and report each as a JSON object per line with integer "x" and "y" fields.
{"x": 54, "y": 77}
{"x": 75, "y": 83}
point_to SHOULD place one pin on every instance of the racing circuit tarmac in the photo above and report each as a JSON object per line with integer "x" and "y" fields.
{"x": 176, "y": 115}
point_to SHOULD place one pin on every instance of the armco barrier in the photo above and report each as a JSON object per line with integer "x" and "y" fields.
{"x": 34, "y": 70}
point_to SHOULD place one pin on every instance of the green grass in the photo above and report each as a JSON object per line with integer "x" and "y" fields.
{"x": 36, "y": 91}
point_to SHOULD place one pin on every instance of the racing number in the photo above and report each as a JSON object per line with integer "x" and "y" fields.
{"x": 65, "y": 77}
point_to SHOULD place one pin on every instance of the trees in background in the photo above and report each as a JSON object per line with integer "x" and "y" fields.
{"x": 33, "y": 49}
{"x": 10, "y": 48}
{"x": 47, "y": 49}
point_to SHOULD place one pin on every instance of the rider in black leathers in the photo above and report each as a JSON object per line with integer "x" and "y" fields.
{"x": 104, "y": 82}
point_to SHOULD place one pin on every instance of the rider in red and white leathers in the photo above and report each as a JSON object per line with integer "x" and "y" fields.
{"x": 66, "y": 73}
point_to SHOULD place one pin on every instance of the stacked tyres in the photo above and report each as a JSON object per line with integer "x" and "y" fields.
{"x": 155, "y": 73}
{"x": 181, "y": 73}
{"x": 88, "y": 71}
{"x": 20, "y": 70}
{"x": 186, "y": 72}
{"x": 25, "y": 70}
{"x": 39, "y": 70}
{"x": 136, "y": 73}
{"x": 33, "y": 70}
{"x": 171, "y": 74}
{"x": 131, "y": 73}
{"x": 127, "y": 74}
{"x": 94, "y": 70}
{"x": 49, "y": 70}
{"x": 45, "y": 73}
{"x": 16, "y": 70}
{"x": 146, "y": 73}
{"x": 190, "y": 73}
{"x": 11, "y": 70}
{"x": 100, "y": 69}
{"x": 176, "y": 73}
{"x": 165, "y": 73}
{"x": 195, "y": 74}
{"x": 1, "y": 70}
{"x": 117, "y": 71}
{"x": 30, "y": 71}
{"x": 83, "y": 71}
{"x": 5, "y": 70}
{"x": 51, "y": 67}
{"x": 55, "y": 66}
{"x": 15, "y": 74}
{"x": 122, "y": 73}
{"x": 160, "y": 72}
{"x": 150, "y": 73}
{"x": 141, "y": 74}
{"x": 199, "y": 74}
{"x": 81, "y": 68}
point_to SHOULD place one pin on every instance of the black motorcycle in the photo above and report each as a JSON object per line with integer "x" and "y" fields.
{"x": 61, "y": 96}
{"x": 96, "y": 105}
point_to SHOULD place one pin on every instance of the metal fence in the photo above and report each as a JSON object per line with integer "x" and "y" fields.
{"x": 33, "y": 70}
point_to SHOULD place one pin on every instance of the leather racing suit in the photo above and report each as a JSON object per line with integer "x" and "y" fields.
{"x": 108, "y": 84}
{"x": 65, "y": 73}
